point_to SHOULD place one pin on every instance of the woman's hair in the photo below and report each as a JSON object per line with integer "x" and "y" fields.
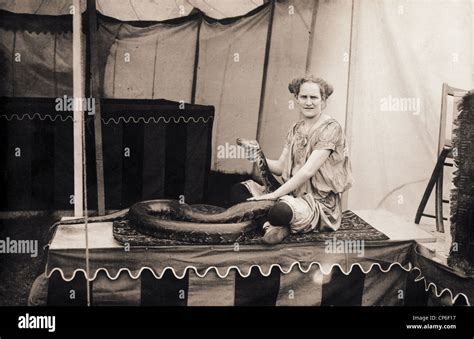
{"x": 325, "y": 88}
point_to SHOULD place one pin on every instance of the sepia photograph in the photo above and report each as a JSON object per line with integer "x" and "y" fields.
{"x": 312, "y": 158}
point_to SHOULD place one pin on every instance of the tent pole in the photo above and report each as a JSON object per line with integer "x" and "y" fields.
{"x": 77, "y": 66}
{"x": 95, "y": 92}
{"x": 265, "y": 69}
{"x": 349, "y": 96}
{"x": 309, "y": 54}
{"x": 80, "y": 173}
{"x": 196, "y": 62}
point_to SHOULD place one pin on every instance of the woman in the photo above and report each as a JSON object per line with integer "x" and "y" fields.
{"x": 314, "y": 166}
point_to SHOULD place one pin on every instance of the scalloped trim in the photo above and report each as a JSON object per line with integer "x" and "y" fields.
{"x": 266, "y": 274}
{"x": 156, "y": 120}
{"x": 107, "y": 121}
{"x": 52, "y": 118}
{"x": 428, "y": 286}
{"x": 228, "y": 269}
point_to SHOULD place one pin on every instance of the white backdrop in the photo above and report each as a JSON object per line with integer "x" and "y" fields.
{"x": 402, "y": 50}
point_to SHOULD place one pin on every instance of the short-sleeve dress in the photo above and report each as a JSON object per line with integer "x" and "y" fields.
{"x": 324, "y": 190}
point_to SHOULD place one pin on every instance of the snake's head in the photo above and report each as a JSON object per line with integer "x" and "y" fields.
{"x": 247, "y": 143}
{"x": 251, "y": 148}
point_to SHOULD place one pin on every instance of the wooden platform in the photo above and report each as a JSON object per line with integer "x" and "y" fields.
{"x": 73, "y": 236}
{"x": 396, "y": 227}
{"x": 433, "y": 244}
{"x": 100, "y": 234}
{"x": 438, "y": 250}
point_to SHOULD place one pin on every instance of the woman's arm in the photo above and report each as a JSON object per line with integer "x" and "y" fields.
{"x": 276, "y": 166}
{"x": 316, "y": 159}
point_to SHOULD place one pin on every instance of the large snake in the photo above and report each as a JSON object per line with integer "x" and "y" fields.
{"x": 172, "y": 219}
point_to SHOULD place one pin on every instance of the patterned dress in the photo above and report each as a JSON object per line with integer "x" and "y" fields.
{"x": 324, "y": 190}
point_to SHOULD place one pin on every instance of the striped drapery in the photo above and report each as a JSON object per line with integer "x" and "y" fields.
{"x": 313, "y": 288}
{"x": 389, "y": 274}
{"x": 286, "y": 274}
{"x": 396, "y": 287}
{"x": 152, "y": 149}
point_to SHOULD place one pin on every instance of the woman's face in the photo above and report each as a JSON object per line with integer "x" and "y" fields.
{"x": 309, "y": 100}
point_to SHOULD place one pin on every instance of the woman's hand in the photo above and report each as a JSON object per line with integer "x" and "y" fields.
{"x": 269, "y": 196}
{"x": 250, "y": 148}
{"x": 315, "y": 160}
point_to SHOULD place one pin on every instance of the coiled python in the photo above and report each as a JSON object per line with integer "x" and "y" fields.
{"x": 171, "y": 219}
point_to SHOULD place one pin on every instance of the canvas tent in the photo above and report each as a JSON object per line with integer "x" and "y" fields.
{"x": 240, "y": 60}
{"x": 232, "y": 61}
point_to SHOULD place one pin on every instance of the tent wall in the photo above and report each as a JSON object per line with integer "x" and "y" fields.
{"x": 40, "y": 7}
{"x": 230, "y": 71}
{"x": 287, "y": 59}
{"x": 36, "y": 64}
{"x": 331, "y": 52}
{"x": 371, "y": 51}
{"x": 126, "y": 10}
{"x": 151, "y": 62}
{"x": 402, "y": 51}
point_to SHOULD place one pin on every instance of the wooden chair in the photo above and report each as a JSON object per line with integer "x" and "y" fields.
{"x": 444, "y": 152}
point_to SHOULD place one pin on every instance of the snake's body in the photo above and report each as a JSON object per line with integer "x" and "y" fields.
{"x": 174, "y": 220}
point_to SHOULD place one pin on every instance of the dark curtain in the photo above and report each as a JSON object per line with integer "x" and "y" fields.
{"x": 152, "y": 149}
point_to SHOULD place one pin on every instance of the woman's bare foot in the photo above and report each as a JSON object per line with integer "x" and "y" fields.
{"x": 274, "y": 234}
